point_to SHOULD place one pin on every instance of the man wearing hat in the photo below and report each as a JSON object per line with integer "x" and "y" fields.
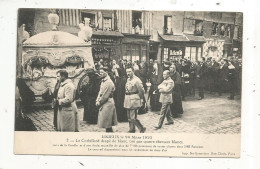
{"x": 200, "y": 72}
{"x": 165, "y": 88}
{"x": 107, "y": 116}
{"x": 134, "y": 97}
{"x": 166, "y": 65}
{"x": 67, "y": 116}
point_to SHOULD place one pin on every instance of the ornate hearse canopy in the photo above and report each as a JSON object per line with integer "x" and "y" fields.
{"x": 54, "y": 39}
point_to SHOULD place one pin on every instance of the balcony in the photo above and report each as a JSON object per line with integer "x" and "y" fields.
{"x": 198, "y": 32}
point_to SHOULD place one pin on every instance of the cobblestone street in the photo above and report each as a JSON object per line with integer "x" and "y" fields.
{"x": 213, "y": 115}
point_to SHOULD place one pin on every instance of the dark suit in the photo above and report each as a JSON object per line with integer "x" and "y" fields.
{"x": 232, "y": 80}
{"x": 222, "y": 79}
{"x": 200, "y": 73}
{"x": 192, "y": 79}
{"x": 176, "y": 106}
{"x": 214, "y": 73}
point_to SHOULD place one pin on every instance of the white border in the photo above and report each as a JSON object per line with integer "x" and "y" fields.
{"x": 250, "y": 115}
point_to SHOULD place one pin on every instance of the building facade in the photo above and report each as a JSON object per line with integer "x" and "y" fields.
{"x": 142, "y": 35}
{"x": 194, "y": 35}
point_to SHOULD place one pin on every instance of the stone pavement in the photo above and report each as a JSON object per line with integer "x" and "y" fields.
{"x": 213, "y": 115}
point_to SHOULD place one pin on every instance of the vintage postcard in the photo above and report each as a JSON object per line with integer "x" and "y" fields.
{"x": 128, "y": 82}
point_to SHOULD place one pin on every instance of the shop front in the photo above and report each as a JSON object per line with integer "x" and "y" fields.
{"x": 194, "y": 48}
{"x": 135, "y": 47}
{"x": 172, "y": 46}
{"x": 106, "y": 45}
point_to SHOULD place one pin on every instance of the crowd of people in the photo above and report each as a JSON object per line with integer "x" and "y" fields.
{"x": 116, "y": 90}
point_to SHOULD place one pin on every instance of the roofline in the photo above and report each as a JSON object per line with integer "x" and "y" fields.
{"x": 55, "y": 46}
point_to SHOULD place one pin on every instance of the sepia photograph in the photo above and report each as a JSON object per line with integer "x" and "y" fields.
{"x": 128, "y": 71}
{"x": 102, "y": 84}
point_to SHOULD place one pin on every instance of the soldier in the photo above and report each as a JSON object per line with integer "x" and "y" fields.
{"x": 134, "y": 97}
{"x": 165, "y": 88}
{"x": 67, "y": 117}
{"x": 107, "y": 112}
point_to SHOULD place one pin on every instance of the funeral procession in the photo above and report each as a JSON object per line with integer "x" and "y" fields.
{"x": 128, "y": 71}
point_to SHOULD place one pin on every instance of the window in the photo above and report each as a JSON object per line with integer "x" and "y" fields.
{"x": 193, "y": 53}
{"x": 222, "y": 29}
{"x": 168, "y": 25}
{"x": 198, "y": 27}
{"x": 228, "y": 28}
{"x": 144, "y": 52}
{"x": 135, "y": 52}
{"x": 175, "y": 53}
{"x": 165, "y": 53}
{"x": 187, "y": 52}
{"x": 236, "y": 32}
{"x": 107, "y": 23}
{"x": 91, "y": 16}
{"x": 132, "y": 52}
{"x": 137, "y": 19}
{"x": 199, "y": 53}
{"x": 215, "y": 28}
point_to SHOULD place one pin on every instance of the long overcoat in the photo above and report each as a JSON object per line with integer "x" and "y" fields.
{"x": 201, "y": 75}
{"x": 107, "y": 116}
{"x": 67, "y": 117}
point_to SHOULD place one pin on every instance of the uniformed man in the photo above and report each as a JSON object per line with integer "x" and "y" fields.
{"x": 165, "y": 88}
{"x": 134, "y": 97}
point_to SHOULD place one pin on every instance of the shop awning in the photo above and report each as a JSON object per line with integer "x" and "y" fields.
{"x": 196, "y": 38}
{"x": 176, "y": 38}
{"x": 107, "y": 33}
{"x": 107, "y": 14}
{"x": 134, "y": 40}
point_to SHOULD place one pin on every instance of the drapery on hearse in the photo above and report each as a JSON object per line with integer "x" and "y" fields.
{"x": 44, "y": 54}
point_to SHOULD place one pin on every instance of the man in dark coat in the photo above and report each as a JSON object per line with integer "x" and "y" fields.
{"x": 235, "y": 63}
{"x": 156, "y": 79}
{"x": 232, "y": 80}
{"x": 177, "y": 63}
{"x": 208, "y": 77}
{"x": 119, "y": 95}
{"x": 201, "y": 78}
{"x": 214, "y": 73}
{"x": 193, "y": 68}
{"x": 176, "y": 106}
{"x": 222, "y": 77}
{"x": 150, "y": 69}
{"x": 185, "y": 73}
